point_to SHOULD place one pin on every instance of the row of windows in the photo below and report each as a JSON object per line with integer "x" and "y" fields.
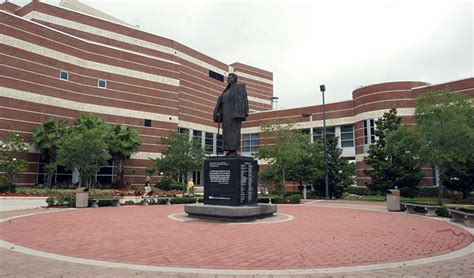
{"x": 64, "y": 75}
{"x": 347, "y": 134}
{"x": 208, "y": 139}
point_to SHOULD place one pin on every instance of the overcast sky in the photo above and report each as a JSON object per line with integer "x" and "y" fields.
{"x": 307, "y": 43}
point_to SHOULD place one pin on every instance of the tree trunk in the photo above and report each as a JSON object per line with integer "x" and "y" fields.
{"x": 49, "y": 180}
{"x": 120, "y": 172}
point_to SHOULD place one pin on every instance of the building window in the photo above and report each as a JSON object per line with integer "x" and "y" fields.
{"x": 216, "y": 76}
{"x": 147, "y": 123}
{"x": 64, "y": 75}
{"x": 197, "y": 177}
{"x": 366, "y": 133}
{"x": 372, "y": 131}
{"x": 183, "y": 130}
{"x": 209, "y": 143}
{"x": 347, "y": 136}
{"x": 250, "y": 143}
{"x": 102, "y": 83}
{"x": 219, "y": 147}
{"x": 197, "y": 137}
{"x": 318, "y": 132}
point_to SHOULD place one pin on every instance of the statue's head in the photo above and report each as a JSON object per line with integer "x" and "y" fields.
{"x": 232, "y": 78}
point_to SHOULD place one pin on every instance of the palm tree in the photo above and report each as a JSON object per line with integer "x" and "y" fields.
{"x": 123, "y": 142}
{"x": 45, "y": 139}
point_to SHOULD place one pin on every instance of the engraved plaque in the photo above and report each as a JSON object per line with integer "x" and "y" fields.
{"x": 230, "y": 181}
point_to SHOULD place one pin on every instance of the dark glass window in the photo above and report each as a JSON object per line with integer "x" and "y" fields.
{"x": 216, "y": 76}
{"x": 347, "y": 136}
{"x": 366, "y": 133}
{"x": 197, "y": 177}
{"x": 372, "y": 131}
{"x": 197, "y": 137}
{"x": 147, "y": 122}
{"x": 102, "y": 83}
{"x": 318, "y": 132}
{"x": 183, "y": 130}
{"x": 219, "y": 147}
{"x": 209, "y": 143}
{"x": 250, "y": 143}
{"x": 64, "y": 75}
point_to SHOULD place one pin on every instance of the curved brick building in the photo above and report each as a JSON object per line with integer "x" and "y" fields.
{"x": 63, "y": 61}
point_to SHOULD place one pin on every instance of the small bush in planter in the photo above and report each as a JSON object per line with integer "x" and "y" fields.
{"x": 278, "y": 200}
{"x": 294, "y": 199}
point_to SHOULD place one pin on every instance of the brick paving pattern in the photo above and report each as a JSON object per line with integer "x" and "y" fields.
{"x": 105, "y": 229}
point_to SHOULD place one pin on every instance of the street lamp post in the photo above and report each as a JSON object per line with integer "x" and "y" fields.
{"x": 322, "y": 88}
{"x": 310, "y": 115}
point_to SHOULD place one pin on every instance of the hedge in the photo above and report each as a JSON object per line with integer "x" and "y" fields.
{"x": 359, "y": 190}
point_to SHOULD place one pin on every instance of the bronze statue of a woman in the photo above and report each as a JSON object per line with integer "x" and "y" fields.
{"x": 232, "y": 108}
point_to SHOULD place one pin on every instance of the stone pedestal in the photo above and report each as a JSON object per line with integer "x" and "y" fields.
{"x": 230, "y": 181}
{"x": 230, "y": 191}
{"x": 230, "y": 213}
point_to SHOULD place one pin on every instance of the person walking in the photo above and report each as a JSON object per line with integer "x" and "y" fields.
{"x": 191, "y": 187}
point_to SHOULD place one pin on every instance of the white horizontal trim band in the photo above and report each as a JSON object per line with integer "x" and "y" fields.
{"x": 253, "y": 77}
{"x": 43, "y": 51}
{"x": 85, "y": 107}
{"x": 119, "y": 37}
{"x": 337, "y": 121}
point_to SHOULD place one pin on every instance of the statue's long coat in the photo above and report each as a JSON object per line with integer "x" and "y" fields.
{"x": 231, "y": 109}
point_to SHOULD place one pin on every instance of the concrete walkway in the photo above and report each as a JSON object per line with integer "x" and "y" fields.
{"x": 16, "y": 203}
{"x": 17, "y": 262}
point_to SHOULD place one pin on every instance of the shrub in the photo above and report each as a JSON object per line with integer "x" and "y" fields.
{"x": 427, "y": 191}
{"x": 409, "y": 192}
{"x": 162, "y": 201}
{"x": 278, "y": 200}
{"x": 51, "y": 201}
{"x": 442, "y": 212}
{"x": 129, "y": 202}
{"x": 294, "y": 199}
{"x": 5, "y": 185}
{"x": 183, "y": 200}
{"x": 359, "y": 190}
{"x": 165, "y": 183}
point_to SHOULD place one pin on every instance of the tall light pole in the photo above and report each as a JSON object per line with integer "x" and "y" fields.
{"x": 310, "y": 115}
{"x": 322, "y": 88}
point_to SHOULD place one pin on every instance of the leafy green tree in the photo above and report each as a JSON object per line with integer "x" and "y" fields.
{"x": 267, "y": 178}
{"x": 180, "y": 156}
{"x": 340, "y": 172}
{"x": 445, "y": 131}
{"x": 45, "y": 139}
{"x": 390, "y": 164}
{"x": 12, "y": 146}
{"x": 460, "y": 177}
{"x": 310, "y": 166}
{"x": 286, "y": 150}
{"x": 84, "y": 147}
{"x": 123, "y": 142}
